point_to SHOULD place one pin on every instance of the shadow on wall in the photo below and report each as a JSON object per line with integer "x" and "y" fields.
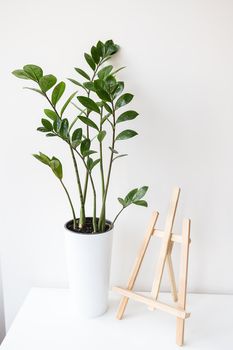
{"x": 2, "y": 319}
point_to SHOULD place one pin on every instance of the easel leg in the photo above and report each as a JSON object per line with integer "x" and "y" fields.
{"x": 180, "y": 323}
{"x": 138, "y": 262}
{"x": 171, "y": 273}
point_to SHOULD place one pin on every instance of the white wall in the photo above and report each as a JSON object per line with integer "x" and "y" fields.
{"x": 2, "y": 314}
{"x": 179, "y": 58}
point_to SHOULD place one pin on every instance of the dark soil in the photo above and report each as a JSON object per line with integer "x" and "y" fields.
{"x": 88, "y": 227}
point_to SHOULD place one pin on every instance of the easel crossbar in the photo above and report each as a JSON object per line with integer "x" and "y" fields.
{"x": 174, "y": 237}
{"x": 175, "y": 311}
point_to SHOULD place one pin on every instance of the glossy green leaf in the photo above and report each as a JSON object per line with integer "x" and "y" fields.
{"x": 118, "y": 70}
{"x": 33, "y": 71}
{"x": 42, "y": 129}
{"x": 85, "y": 146}
{"x": 104, "y": 72}
{"x": 50, "y": 114}
{"x": 42, "y": 158}
{"x": 118, "y": 89}
{"x": 88, "y": 122}
{"x": 95, "y": 54}
{"x": 64, "y": 128}
{"x": 68, "y": 102}
{"x": 95, "y": 162}
{"x": 101, "y": 49}
{"x": 110, "y": 47}
{"x": 122, "y": 202}
{"x": 101, "y": 92}
{"x": 77, "y": 134}
{"x": 107, "y": 107}
{"x": 101, "y": 135}
{"x": 129, "y": 197}
{"x": 141, "y": 203}
{"x": 140, "y": 193}
{"x": 88, "y": 153}
{"x": 126, "y": 134}
{"x": 129, "y": 115}
{"x": 89, "y": 85}
{"x": 35, "y": 90}
{"x": 47, "y": 82}
{"x": 56, "y": 167}
{"x": 123, "y": 100}
{"x": 88, "y": 103}
{"x": 19, "y": 73}
{"x": 82, "y": 73}
{"x": 58, "y": 92}
{"x": 50, "y": 134}
{"x": 47, "y": 125}
{"x": 75, "y": 82}
{"x": 57, "y": 125}
{"x": 90, "y": 61}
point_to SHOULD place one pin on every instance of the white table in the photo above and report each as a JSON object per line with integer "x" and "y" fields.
{"x": 46, "y": 322}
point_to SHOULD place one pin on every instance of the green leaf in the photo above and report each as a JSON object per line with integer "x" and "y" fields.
{"x": 140, "y": 193}
{"x": 33, "y": 89}
{"x": 90, "y": 61}
{"x": 19, "y": 73}
{"x": 129, "y": 197}
{"x": 42, "y": 129}
{"x": 64, "y": 128}
{"x": 101, "y": 92}
{"x": 77, "y": 134}
{"x": 85, "y": 146}
{"x": 118, "y": 89}
{"x": 50, "y": 134}
{"x": 56, "y": 167}
{"x": 58, "y": 92}
{"x": 88, "y": 153}
{"x": 34, "y": 72}
{"x": 123, "y": 100}
{"x": 101, "y": 135}
{"x": 95, "y": 54}
{"x": 118, "y": 70}
{"x": 129, "y": 115}
{"x": 95, "y": 163}
{"x": 75, "y": 82}
{"x": 88, "y": 103}
{"x": 110, "y": 47}
{"x": 107, "y": 107}
{"x": 89, "y": 85}
{"x": 68, "y": 102}
{"x": 104, "y": 72}
{"x": 57, "y": 125}
{"x": 88, "y": 122}
{"x": 47, "y": 82}
{"x": 101, "y": 49}
{"x": 82, "y": 73}
{"x": 105, "y": 118}
{"x": 42, "y": 158}
{"x": 141, "y": 203}
{"x": 50, "y": 114}
{"x": 126, "y": 134}
{"x": 113, "y": 150}
{"x": 47, "y": 125}
{"x": 120, "y": 156}
{"x": 121, "y": 200}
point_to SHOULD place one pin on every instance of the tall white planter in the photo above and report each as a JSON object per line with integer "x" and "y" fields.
{"x": 88, "y": 264}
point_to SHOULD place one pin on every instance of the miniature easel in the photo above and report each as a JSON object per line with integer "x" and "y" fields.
{"x": 168, "y": 239}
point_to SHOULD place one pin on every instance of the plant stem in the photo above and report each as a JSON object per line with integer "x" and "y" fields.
{"x": 87, "y": 173}
{"x": 118, "y": 214}
{"x": 82, "y": 204}
{"x": 101, "y": 164}
{"x": 71, "y": 205}
{"x": 101, "y": 223}
{"x": 94, "y": 191}
{"x": 82, "y": 209}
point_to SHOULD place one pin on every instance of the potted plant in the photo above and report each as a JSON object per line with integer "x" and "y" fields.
{"x": 97, "y": 123}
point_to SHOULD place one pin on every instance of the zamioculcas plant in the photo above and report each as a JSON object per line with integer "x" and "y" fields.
{"x": 97, "y": 112}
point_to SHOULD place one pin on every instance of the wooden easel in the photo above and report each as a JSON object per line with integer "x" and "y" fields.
{"x": 168, "y": 239}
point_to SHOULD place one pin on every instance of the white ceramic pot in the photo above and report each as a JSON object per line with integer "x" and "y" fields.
{"x": 88, "y": 263}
